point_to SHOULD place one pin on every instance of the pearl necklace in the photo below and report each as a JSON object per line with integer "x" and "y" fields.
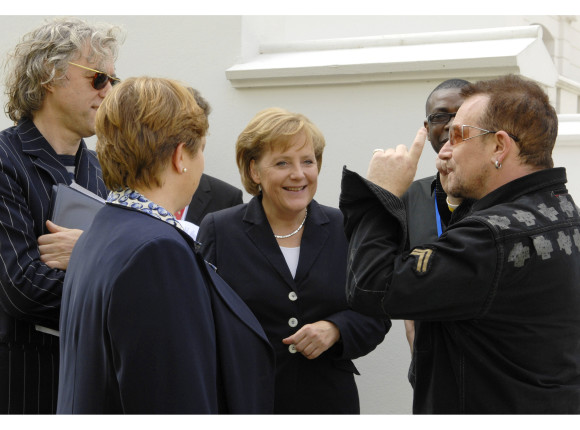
{"x": 295, "y": 231}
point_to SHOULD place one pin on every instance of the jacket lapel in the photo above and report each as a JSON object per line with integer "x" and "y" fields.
{"x": 313, "y": 240}
{"x": 260, "y": 233}
{"x": 87, "y": 169}
{"x": 219, "y": 288}
{"x": 88, "y": 172}
{"x": 200, "y": 200}
{"x": 233, "y": 301}
{"x": 41, "y": 153}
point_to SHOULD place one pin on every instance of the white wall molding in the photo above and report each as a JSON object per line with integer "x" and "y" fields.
{"x": 471, "y": 54}
{"x": 569, "y": 130}
{"x": 568, "y": 85}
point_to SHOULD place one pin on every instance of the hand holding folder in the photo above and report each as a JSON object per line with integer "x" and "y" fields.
{"x": 73, "y": 206}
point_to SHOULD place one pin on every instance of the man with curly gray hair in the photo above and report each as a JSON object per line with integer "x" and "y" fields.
{"x": 57, "y": 76}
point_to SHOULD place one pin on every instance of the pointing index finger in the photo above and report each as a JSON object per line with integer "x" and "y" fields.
{"x": 418, "y": 144}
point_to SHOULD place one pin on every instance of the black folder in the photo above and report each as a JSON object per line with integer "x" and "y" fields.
{"x": 74, "y": 206}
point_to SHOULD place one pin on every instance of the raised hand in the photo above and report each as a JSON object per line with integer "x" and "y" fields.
{"x": 394, "y": 169}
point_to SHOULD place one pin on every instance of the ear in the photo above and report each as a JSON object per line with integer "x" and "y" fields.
{"x": 504, "y": 145}
{"x": 426, "y": 125}
{"x": 49, "y": 88}
{"x": 254, "y": 173}
{"x": 177, "y": 158}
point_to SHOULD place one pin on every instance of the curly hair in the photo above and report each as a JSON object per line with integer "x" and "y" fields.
{"x": 273, "y": 128}
{"x": 522, "y": 108}
{"x": 138, "y": 126}
{"x": 42, "y": 57}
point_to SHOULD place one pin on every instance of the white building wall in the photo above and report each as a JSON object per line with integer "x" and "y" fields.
{"x": 355, "y": 117}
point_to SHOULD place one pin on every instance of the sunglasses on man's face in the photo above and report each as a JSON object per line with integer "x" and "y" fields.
{"x": 100, "y": 79}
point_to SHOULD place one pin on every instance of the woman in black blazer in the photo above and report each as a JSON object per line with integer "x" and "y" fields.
{"x": 285, "y": 255}
{"x": 146, "y": 325}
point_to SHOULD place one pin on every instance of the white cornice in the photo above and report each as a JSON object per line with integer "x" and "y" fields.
{"x": 472, "y": 54}
{"x": 569, "y": 130}
{"x": 568, "y": 85}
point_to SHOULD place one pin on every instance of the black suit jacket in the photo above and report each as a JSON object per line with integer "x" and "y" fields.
{"x": 30, "y": 291}
{"x": 420, "y": 209}
{"x": 240, "y": 242}
{"x": 148, "y": 327}
{"x": 211, "y": 195}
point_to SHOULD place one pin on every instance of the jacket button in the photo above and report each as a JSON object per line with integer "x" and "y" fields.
{"x": 292, "y": 322}
{"x": 292, "y": 349}
{"x": 293, "y": 296}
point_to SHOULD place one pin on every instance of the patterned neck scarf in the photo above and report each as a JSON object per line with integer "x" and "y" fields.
{"x": 135, "y": 200}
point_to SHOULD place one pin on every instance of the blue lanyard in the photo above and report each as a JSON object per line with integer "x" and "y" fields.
{"x": 437, "y": 217}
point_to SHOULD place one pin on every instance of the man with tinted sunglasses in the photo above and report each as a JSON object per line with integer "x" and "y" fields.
{"x": 498, "y": 294}
{"x": 59, "y": 74}
{"x": 427, "y": 205}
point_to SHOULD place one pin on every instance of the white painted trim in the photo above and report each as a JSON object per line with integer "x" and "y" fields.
{"x": 568, "y": 85}
{"x": 532, "y": 31}
{"x": 471, "y": 54}
{"x": 569, "y": 130}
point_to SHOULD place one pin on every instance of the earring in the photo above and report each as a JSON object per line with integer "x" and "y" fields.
{"x": 259, "y": 188}
{"x": 497, "y": 164}
{"x": 184, "y": 170}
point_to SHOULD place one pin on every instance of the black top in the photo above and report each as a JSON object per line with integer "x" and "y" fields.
{"x": 497, "y": 294}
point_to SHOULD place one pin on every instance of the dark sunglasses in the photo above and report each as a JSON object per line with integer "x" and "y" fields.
{"x": 100, "y": 79}
{"x": 440, "y": 118}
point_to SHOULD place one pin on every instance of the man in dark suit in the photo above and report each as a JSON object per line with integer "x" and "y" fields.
{"x": 211, "y": 195}
{"x": 59, "y": 76}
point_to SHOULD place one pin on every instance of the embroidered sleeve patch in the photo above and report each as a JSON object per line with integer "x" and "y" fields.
{"x": 423, "y": 259}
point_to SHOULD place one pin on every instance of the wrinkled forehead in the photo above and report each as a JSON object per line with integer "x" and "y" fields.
{"x": 471, "y": 110}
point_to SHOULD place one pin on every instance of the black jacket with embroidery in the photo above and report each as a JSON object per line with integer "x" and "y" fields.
{"x": 498, "y": 294}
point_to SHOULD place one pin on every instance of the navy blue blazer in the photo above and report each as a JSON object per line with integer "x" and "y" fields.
{"x": 30, "y": 291}
{"x": 212, "y": 195}
{"x": 240, "y": 242}
{"x": 148, "y": 327}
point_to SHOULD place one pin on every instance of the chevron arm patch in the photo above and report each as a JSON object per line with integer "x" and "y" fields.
{"x": 423, "y": 259}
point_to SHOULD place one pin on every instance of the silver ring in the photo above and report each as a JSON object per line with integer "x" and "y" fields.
{"x": 378, "y": 149}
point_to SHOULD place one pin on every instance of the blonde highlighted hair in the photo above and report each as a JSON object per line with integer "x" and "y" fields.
{"x": 271, "y": 129}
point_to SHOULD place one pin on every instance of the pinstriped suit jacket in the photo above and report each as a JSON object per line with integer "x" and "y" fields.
{"x": 30, "y": 291}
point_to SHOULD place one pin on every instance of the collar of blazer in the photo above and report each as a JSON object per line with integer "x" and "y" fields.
{"x": 200, "y": 200}
{"x": 314, "y": 238}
